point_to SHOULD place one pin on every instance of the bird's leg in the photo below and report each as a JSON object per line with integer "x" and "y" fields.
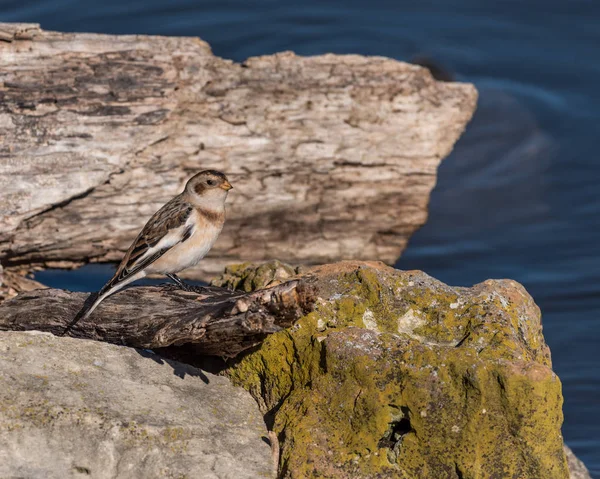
{"x": 179, "y": 282}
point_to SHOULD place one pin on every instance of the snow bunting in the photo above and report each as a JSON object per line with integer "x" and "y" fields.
{"x": 176, "y": 237}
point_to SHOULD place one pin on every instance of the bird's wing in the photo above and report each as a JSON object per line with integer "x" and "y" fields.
{"x": 166, "y": 228}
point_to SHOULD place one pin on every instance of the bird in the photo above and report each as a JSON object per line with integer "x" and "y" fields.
{"x": 175, "y": 238}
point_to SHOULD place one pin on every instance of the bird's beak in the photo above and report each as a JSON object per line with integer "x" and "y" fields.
{"x": 226, "y": 185}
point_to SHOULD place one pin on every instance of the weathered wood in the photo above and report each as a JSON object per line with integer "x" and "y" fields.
{"x": 332, "y": 156}
{"x": 15, "y": 282}
{"x": 215, "y": 321}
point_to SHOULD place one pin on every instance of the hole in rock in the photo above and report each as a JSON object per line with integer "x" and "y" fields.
{"x": 398, "y": 429}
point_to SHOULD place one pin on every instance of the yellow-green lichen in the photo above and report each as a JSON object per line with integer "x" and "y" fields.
{"x": 249, "y": 277}
{"x": 398, "y": 375}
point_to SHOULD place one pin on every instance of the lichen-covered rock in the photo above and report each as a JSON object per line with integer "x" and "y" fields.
{"x": 396, "y": 374}
{"x": 249, "y": 277}
{"x": 77, "y": 408}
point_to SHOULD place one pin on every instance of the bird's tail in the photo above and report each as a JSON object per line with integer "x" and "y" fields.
{"x": 90, "y": 304}
{"x": 93, "y": 300}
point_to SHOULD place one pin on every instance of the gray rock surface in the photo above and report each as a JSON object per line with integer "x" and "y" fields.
{"x": 577, "y": 468}
{"x": 76, "y": 408}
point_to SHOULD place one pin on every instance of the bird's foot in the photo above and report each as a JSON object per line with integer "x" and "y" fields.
{"x": 181, "y": 284}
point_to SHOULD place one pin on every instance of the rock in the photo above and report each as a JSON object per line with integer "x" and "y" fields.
{"x": 77, "y": 408}
{"x": 332, "y": 156}
{"x": 250, "y": 277}
{"x": 396, "y": 374}
{"x": 576, "y": 467}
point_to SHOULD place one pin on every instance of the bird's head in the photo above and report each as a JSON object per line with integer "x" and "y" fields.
{"x": 208, "y": 188}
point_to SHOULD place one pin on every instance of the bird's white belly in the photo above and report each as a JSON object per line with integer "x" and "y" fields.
{"x": 187, "y": 254}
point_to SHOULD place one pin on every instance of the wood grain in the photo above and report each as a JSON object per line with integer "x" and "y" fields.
{"x": 332, "y": 156}
{"x": 214, "y": 321}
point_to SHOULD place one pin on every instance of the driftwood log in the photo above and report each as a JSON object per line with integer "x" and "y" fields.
{"x": 332, "y": 156}
{"x": 212, "y": 321}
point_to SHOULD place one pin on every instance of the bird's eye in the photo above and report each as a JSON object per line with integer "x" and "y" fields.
{"x": 211, "y": 182}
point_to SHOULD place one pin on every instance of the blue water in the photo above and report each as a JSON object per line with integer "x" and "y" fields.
{"x": 518, "y": 198}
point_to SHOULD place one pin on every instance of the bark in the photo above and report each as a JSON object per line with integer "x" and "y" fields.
{"x": 212, "y": 321}
{"x": 332, "y": 156}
